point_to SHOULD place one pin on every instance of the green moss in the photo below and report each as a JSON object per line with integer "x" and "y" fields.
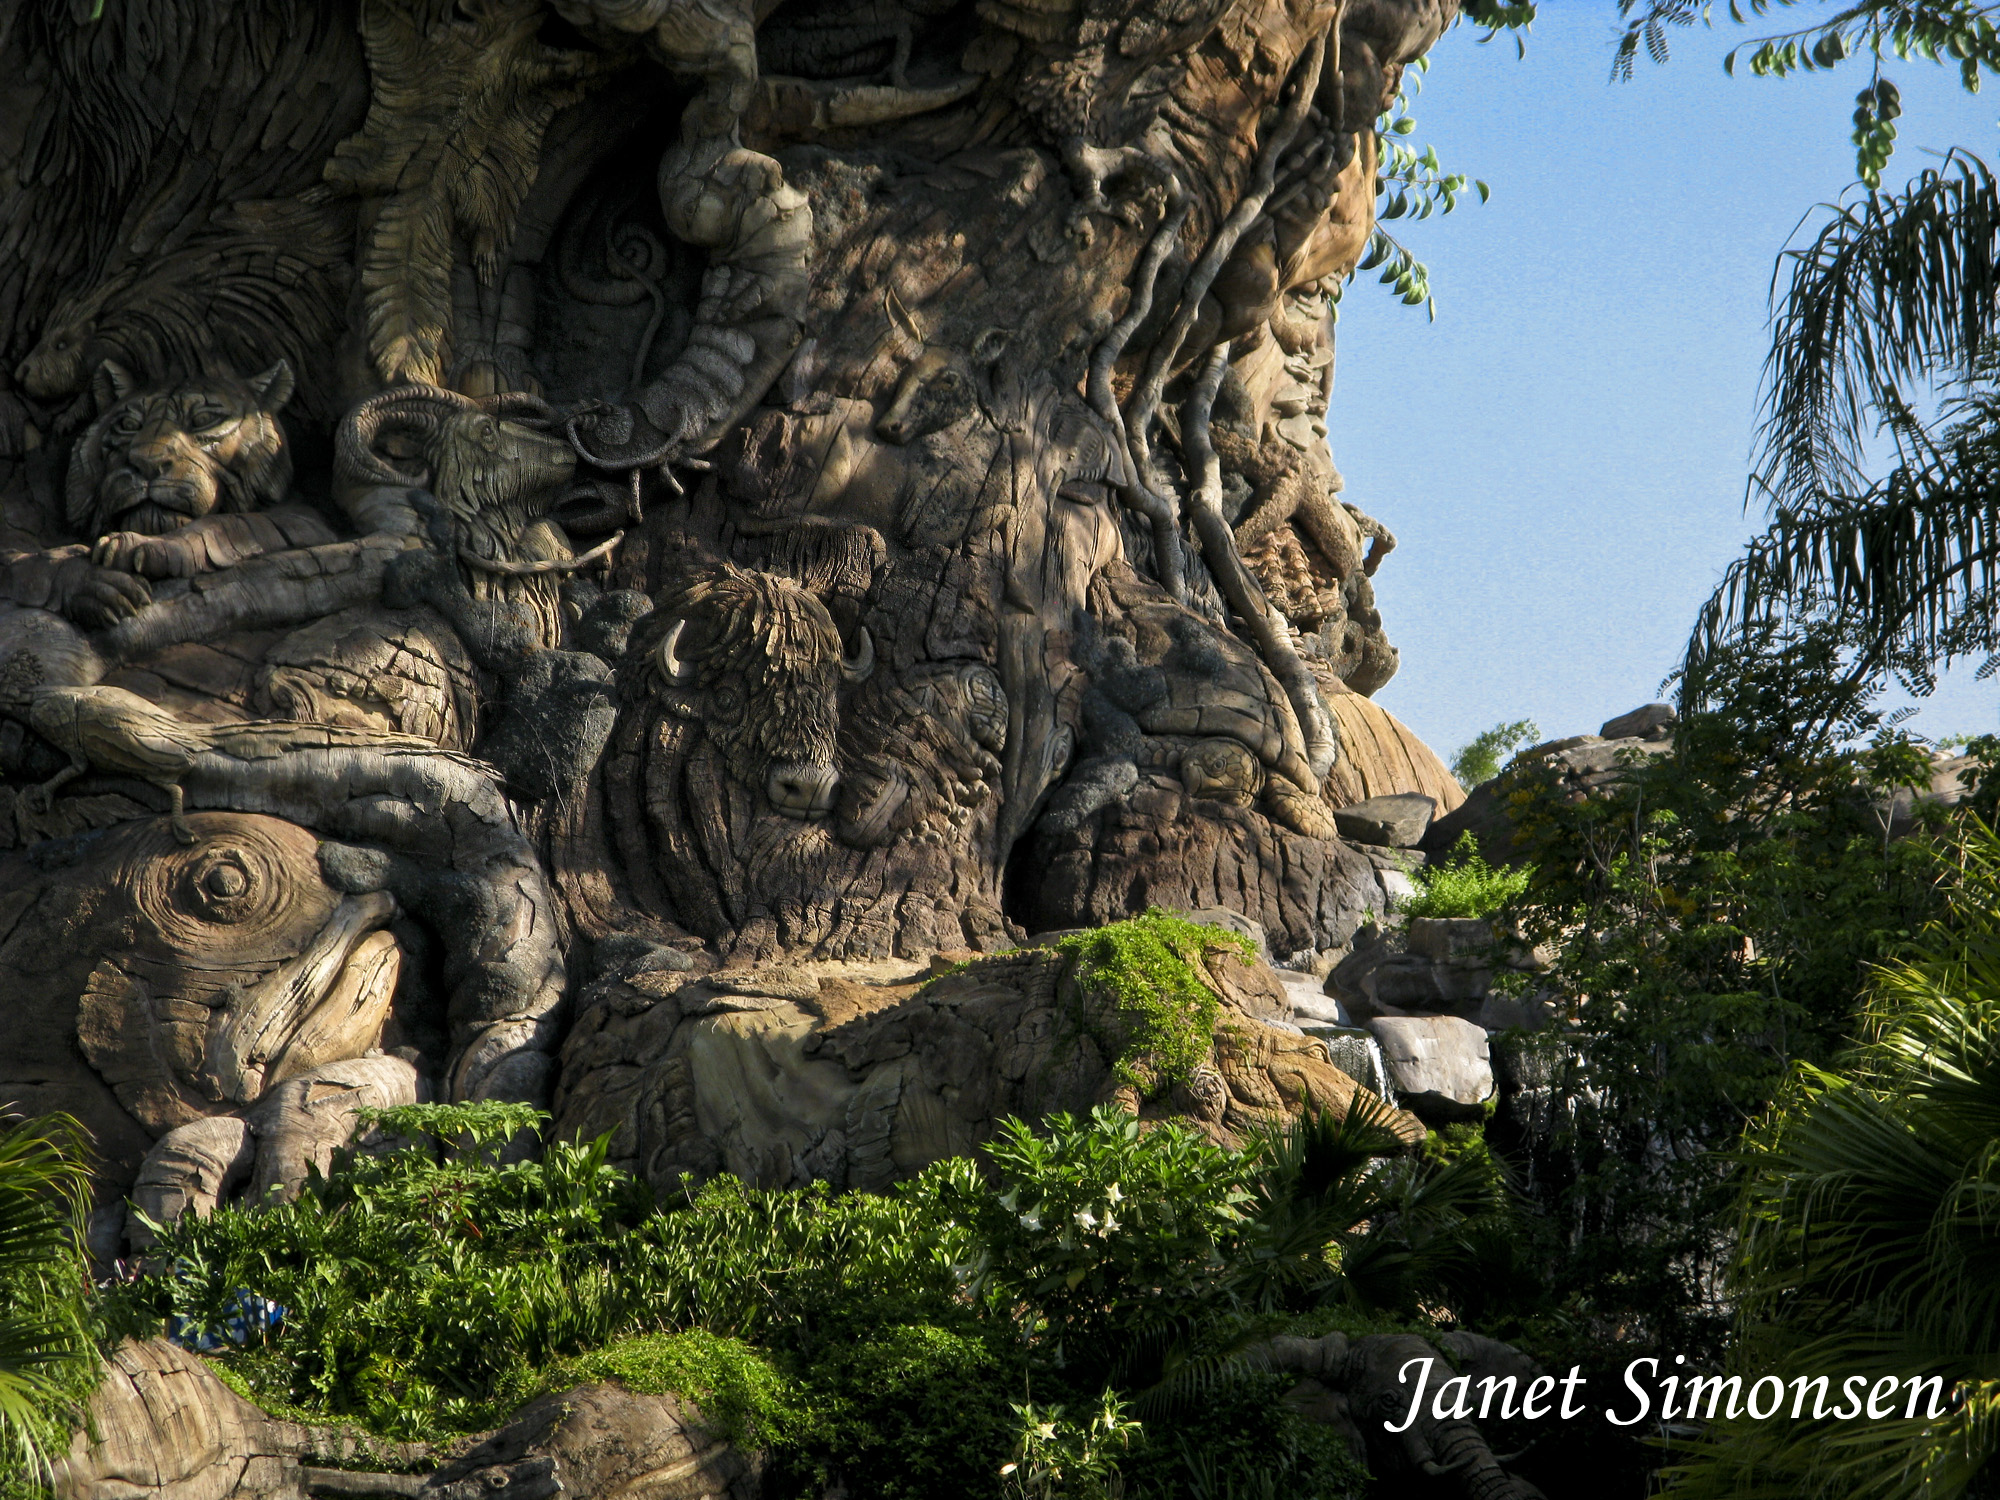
{"x": 1463, "y": 884}
{"x": 747, "y": 1399}
{"x": 1151, "y": 966}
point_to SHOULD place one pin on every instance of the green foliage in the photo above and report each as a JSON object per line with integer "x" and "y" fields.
{"x": 1413, "y": 184}
{"x": 1099, "y": 1230}
{"x": 422, "y": 1294}
{"x": 1869, "y": 1246}
{"x": 47, "y": 1361}
{"x": 1956, "y": 33}
{"x": 1478, "y": 760}
{"x": 1090, "y": 1271}
{"x": 739, "y": 1391}
{"x": 1463, "y": 884}
{"x": 1057, "y": 1457}
{"x": 1713, "y": 917}
{"x": 1499, "y": 15}
{"x": 1151, "y": 965}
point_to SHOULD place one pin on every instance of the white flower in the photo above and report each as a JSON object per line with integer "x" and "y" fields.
{"x": 1086, "y": 1219}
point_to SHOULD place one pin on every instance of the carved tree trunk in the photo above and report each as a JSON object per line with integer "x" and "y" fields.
{"x": 819, "y": 483}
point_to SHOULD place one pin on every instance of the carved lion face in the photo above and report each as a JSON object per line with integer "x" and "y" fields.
{"x": 155, "y": 460}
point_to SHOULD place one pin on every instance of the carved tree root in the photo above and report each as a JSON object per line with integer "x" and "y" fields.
{"x": 1139, "y": 494}
{"x": 1146, "y": 399}
{"x": 464, "y": 865}
{"x": 1239, "y": 585}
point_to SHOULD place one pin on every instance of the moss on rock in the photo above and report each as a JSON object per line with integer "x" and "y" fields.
{"x": 1151, "y": 967}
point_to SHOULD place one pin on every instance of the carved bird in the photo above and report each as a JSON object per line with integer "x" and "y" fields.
{"x": 120, "y": 732}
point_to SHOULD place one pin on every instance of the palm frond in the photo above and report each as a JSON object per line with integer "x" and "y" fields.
{"x": 1895, "y": 287}
{"x": 1915, "y": 558}
{"x": 44, "y": 1199}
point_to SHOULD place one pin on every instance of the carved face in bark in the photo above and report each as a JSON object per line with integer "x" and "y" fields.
{"x": 155, "y": 460}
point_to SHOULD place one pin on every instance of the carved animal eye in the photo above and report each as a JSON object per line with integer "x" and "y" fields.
{"x": 208, "y": 418}
{"x": 725, "y": 702}
{"x": 125, "y": 425}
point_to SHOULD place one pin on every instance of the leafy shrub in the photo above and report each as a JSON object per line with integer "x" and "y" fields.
{"x": 1478, "y": 760}
{"x": 882, "y": 1341}
{"x": 1151, "y": 965}
{"x": 1463, "y": 884}
{"x": 421, "y": 1293}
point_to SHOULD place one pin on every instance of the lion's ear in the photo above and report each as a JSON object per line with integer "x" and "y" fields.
{"x": 111, "y": 384}
{"x": 274, "y": 386}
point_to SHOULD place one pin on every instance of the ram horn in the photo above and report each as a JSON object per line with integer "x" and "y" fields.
{"x": 420, "y": 407}
{"x": 856, "y": 668}
{"x": 668, "y": 655}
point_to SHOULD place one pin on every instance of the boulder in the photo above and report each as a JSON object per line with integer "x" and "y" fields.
{"x": 883, "y": 1070}
{"x": 1438, "y": 1064}
{"x": 1398, "y": 820}
{"x": 1654, "y": 721}
{"x": 1450, "y": 937}
{"x": 162, "y": 1426}
{"x": 1231, "y": 921}
{"x": 599, "y": 1441}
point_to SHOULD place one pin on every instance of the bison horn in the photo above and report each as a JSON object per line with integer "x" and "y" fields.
{"x": 669, "y": 656}
{"x": 856, "y": 668}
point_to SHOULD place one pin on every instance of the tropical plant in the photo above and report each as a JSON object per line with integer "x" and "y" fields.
{"x": 1894, "y": 298}
{"x": 1463, "y": 884}
{"x": 47, "y": 1360}
{"x": 1478, "y": 760}
{"x": 1869, "y": 1256}
{"x": 1713, "y": 915}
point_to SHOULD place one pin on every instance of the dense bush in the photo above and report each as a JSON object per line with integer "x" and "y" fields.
{"x": 1868, "y": 1246}
{"x": 908, "y": 1344}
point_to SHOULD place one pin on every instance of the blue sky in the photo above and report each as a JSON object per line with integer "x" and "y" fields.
{"x": 1561, "y": 453}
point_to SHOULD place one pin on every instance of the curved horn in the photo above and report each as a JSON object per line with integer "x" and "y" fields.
{"x": 856, "y": 668}
{"x": 668, "y": 655}
{"x": 422, "y": 407}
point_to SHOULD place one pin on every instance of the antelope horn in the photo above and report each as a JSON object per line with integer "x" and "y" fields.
{"x": 856, "y": 668}
{"x": 669, "y": 657}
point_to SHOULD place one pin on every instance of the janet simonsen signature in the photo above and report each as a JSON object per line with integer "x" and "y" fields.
{"x": 1647, "y": 1392}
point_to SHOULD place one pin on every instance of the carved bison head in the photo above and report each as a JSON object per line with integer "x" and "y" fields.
{"x": 759, "y": 661}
